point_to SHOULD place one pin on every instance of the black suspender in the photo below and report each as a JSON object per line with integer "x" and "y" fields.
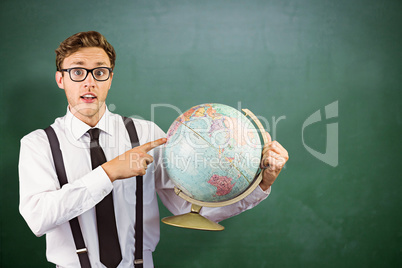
{"x": 138, "y": 259}
{"x": 61, "y": 174}
{"x": 74, "y": 224}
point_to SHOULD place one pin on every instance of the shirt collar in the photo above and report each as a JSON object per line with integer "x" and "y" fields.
{"x": 77, "y": 128}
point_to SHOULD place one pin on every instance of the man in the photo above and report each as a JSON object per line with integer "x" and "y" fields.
{"x": 85, "y": 63}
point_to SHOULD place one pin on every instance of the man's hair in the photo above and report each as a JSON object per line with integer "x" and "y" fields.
{"x": 80, "y": 40}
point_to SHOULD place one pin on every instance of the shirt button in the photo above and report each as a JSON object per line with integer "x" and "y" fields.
{"x": 104, "y": 192}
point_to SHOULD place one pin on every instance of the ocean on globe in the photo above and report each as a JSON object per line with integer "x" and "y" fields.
{"x": 212, "y": 153}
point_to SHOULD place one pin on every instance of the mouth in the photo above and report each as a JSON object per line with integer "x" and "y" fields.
{"x": 88, "y": 98}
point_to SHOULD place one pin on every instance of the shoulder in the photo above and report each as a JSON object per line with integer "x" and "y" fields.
{"x": 34, "y": 147}
{"x": 146, "y": 124}
{"x": 38, "y": 137}
{"x": 148, "y": 130}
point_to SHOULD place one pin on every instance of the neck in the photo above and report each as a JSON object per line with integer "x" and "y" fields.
{"x": 89, "y": 116}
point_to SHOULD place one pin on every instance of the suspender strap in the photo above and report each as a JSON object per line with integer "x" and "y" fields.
{"x": 138, "y": 258}
{"x": 61, "y": 175}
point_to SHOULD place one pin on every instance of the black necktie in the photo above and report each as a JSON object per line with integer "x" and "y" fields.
{"x": 109, "y": 247}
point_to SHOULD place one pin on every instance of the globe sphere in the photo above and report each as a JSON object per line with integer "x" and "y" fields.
{"x": 212, "y": 153}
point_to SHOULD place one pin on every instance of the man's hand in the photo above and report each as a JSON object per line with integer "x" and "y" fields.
{"x": 274, "y": 157}
{"x": 132, "y": 163}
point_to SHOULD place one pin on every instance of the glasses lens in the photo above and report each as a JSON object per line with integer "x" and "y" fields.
{"x": 78, "y": 74}
{"x": 101, "y": 74}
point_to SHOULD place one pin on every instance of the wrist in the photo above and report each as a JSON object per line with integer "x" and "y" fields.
{"x": 264, "y": 186}
{"x": 108, "y": 168}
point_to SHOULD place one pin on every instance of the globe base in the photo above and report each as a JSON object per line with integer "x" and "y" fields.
{"x": 193, "y": 220}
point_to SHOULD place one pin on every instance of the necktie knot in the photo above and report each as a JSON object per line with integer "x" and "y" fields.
{"x": 94, "y": 133}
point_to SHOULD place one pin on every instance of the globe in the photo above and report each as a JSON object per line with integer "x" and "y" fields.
{"x": 213, "y": 154}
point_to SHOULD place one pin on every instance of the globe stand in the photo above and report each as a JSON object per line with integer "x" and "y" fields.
{"x": 193, "y": 219}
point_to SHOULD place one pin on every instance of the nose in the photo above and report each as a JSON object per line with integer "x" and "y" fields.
{"x": 89, "y": 81}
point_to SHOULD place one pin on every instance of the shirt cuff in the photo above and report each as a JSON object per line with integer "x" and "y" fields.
{"x": 266, "y": 192}
{"x": 258, "y": 195}
{"x": 98, "y": 184}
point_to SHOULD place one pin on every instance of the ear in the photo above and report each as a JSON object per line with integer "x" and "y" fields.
{"x": 59, "y": 79}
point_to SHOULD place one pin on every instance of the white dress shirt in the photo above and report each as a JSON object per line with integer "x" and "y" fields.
{"x": 47, "y": 209}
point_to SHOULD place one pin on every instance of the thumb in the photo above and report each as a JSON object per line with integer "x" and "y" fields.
{"x": 268, "y": 137}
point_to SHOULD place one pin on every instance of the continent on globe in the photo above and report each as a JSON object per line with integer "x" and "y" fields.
{"x": 212, "y": 153}
{"x": 223, "y": 184}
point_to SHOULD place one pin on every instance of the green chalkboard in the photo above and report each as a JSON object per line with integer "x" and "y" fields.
{"x": 323, "y": 76}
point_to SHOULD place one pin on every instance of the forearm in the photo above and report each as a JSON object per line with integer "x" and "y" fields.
{"x": 221, "y": 213}
{"x": 44, "y": 207}
{"x": 265, "y": 185}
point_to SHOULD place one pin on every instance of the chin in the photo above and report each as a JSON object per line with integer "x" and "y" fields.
{"x": 89, "y": 112}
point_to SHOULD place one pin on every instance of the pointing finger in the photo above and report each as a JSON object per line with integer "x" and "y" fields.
{"x": 152, "y": 144}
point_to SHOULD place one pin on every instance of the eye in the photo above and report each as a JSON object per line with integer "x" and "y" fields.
{"x": 99, "y": 72}
{"x": 77, "y": 72}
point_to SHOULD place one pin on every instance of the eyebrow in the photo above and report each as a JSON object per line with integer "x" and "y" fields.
{"x": 99, "y": 63}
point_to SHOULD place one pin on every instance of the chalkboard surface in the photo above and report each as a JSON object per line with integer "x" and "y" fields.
{"x": 323, "y": 76}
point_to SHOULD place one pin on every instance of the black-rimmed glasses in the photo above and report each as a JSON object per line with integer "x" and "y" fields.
{"x": 78, "y": 74}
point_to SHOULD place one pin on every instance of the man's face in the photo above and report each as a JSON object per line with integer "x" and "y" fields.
{"x": 87, "y": 98}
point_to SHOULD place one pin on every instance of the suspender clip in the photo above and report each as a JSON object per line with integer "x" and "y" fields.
{"x": 138, "y": 261}
{"x": 82, "y": 250}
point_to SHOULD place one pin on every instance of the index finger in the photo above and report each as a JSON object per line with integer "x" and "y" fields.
{"x": 153, "y": 144}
